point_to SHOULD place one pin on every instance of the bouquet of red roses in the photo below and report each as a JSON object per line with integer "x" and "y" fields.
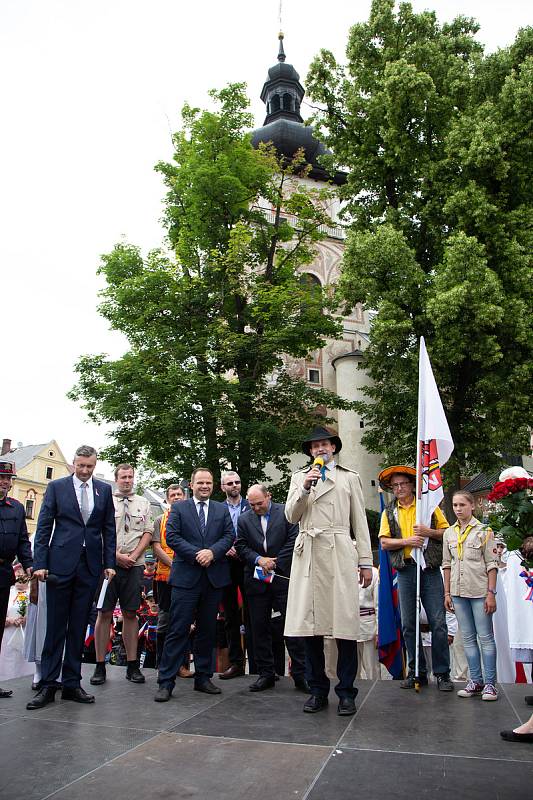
{"x": 513, "y": 518}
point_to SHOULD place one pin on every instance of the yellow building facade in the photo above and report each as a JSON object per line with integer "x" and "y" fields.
{"x": 36, "y": 465}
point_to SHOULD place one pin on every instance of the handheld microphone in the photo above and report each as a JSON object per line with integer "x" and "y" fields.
{"x": 318, "y": 462}
{"x": 51, "y": 579}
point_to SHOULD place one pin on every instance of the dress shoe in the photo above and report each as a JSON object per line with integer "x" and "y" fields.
{"x": 262, "y": 683}
{"x": 346, "y": 707}
{"x": 314, "y": 704}
{"x": 207, "y": 687}
{"x": 301, "y": 684}
{"x": 6, "y": 692}
{"x": 135, "y": 675}
{"x": 511, "y": 736}
{"x": 233, "y": 671}
{"x": 529, "y": 699}
{"x": 46, "y": 695}
{"x": 77, "y": 694}
{"x": 98, "y": 677}
{"x": 163, "y": 694}
{"x": 184, "y": 672}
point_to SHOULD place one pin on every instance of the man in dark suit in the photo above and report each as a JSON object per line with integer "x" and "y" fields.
{"x": 13, "y": 542}
{"x": 265, "y": 543}
{"x": 75, "y": 540}
{"x": 200, "y": 532}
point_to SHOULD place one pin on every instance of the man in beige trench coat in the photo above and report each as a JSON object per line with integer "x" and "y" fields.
{"x": 323, "y": 590}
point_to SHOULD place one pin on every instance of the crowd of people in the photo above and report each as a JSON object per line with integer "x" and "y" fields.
{"x": 248, "y": 579}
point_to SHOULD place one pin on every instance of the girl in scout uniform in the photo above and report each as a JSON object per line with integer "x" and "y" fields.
{"x": 470, "y": 565}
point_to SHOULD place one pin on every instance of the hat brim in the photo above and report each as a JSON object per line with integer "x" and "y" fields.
{"x": 386, "y": 474}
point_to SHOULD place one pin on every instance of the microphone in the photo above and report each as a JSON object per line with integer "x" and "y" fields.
{"x": 318, "y": 462}
{"x": 51, "y": 579}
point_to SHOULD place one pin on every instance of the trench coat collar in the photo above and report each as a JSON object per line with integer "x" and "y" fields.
{"x": 323, "y": 487}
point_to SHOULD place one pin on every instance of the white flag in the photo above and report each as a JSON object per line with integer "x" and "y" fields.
{"x": 434, "y": 441}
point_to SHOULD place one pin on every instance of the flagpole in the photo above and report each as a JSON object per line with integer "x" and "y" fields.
{"x": 417, "y": 551}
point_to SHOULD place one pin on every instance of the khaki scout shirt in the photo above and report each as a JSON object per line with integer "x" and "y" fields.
{"x": 468, "y": 576}
{"x": 140, "y": 522}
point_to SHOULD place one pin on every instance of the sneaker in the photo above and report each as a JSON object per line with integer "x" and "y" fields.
{"x": 489, "y": 692}
{"x": 444, "y": 683}
{"x": 472, "y": 689}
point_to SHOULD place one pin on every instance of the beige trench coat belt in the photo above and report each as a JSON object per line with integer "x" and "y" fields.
{"x": 304, "y": 545}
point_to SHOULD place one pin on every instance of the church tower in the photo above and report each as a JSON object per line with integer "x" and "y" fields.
{"x": 335, "y": 366}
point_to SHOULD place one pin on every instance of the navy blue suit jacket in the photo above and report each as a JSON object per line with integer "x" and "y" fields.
{"x": 60, "y": 514}
{"x": 281, "y": 536}
{"x": 185, "y": 538}
{"x": 13, "y": 540}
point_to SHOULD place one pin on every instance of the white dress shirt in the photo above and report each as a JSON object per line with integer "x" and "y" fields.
{"x": 89, "y": 490}
{"x": 206, "y": 507}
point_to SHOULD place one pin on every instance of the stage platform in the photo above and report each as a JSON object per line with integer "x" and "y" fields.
{"x": 241, "y": 745}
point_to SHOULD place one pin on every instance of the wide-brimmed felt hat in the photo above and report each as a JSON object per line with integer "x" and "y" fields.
{"x": 319, "y": 433}
{"x": 398, "y": 469}
{"x": 8, "y": 468}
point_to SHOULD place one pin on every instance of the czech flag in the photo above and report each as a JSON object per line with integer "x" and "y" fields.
{"x": 260, "y": 575}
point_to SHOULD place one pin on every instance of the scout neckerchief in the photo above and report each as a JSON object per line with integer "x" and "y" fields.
{"x": 461, "y": 538}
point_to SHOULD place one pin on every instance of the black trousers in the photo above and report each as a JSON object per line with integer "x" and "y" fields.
{"x": 346, "y": 666}
{"x": 260, "y": 607}
{"x": 201, "y": 603}
{"x": 68, "y": 604}
{"x": 233, "y": 615}
{"x": 4, "y": 604}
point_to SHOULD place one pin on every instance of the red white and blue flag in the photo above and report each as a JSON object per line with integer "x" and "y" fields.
{"x": 260, "y": 575}
{"x": 390, "y": 642}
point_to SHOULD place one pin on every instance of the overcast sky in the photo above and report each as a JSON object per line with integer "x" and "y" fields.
{"x": 91, "y": 91}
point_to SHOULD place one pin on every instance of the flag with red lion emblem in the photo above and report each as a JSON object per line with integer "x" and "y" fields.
{"x": 435, "y": 443}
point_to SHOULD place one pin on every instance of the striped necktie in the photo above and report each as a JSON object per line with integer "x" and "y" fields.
{"x": 201, "y": 516}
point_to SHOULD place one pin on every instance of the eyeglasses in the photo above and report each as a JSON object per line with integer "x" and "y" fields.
{"x": 399, "y": 485}
{"x": 232, "y": 483}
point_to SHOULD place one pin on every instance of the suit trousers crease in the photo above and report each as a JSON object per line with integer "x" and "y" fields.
{"x": 260, "y": 609}
{"x": 68, "y": 605}
{"x": 199, "y": 603}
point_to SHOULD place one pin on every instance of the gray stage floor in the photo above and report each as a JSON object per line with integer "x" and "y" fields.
{"x": 243, "y": 745}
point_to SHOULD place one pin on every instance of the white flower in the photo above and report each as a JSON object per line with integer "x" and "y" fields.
{"x": 513, "y": 472}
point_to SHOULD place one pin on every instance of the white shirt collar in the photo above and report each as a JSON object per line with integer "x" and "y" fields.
{"x": 197, "y": 502}
{"x": 78, "y": 483}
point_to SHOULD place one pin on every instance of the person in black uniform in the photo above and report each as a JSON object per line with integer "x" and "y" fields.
{"x": 13, "y": 542}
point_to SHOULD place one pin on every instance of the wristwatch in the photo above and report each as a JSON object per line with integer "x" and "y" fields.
{"x": 492, "y": 591}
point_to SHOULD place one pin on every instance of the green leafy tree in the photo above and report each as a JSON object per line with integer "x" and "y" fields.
{"x": 438, "y": 142}
{"x": 210, "y": 319}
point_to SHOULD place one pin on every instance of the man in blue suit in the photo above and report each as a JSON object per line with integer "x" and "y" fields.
{"x": 200, "y": 532}
{"x": 75, "y": 540}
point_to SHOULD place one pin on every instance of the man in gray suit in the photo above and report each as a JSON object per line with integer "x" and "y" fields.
{"x": 265, "y": 541}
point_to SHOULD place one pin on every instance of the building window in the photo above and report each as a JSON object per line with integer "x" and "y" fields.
{"x": 361, "y": 423}
{"x": 313, "y": 375}
{"x": 49, "y": 473}
{"x": 372, "y": 483}
{"x": 30, "y": 508}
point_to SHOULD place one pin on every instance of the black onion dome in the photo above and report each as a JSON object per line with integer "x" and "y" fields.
{"x": 282, "y": 94}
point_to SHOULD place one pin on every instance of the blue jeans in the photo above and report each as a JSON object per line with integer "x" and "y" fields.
{"x": 432, "y": 597}
{"x": 474, "y": 624}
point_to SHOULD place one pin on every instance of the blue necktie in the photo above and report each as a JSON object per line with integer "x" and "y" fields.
{"x": 201, "y": 517}
{"x": 323, "y": 472}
